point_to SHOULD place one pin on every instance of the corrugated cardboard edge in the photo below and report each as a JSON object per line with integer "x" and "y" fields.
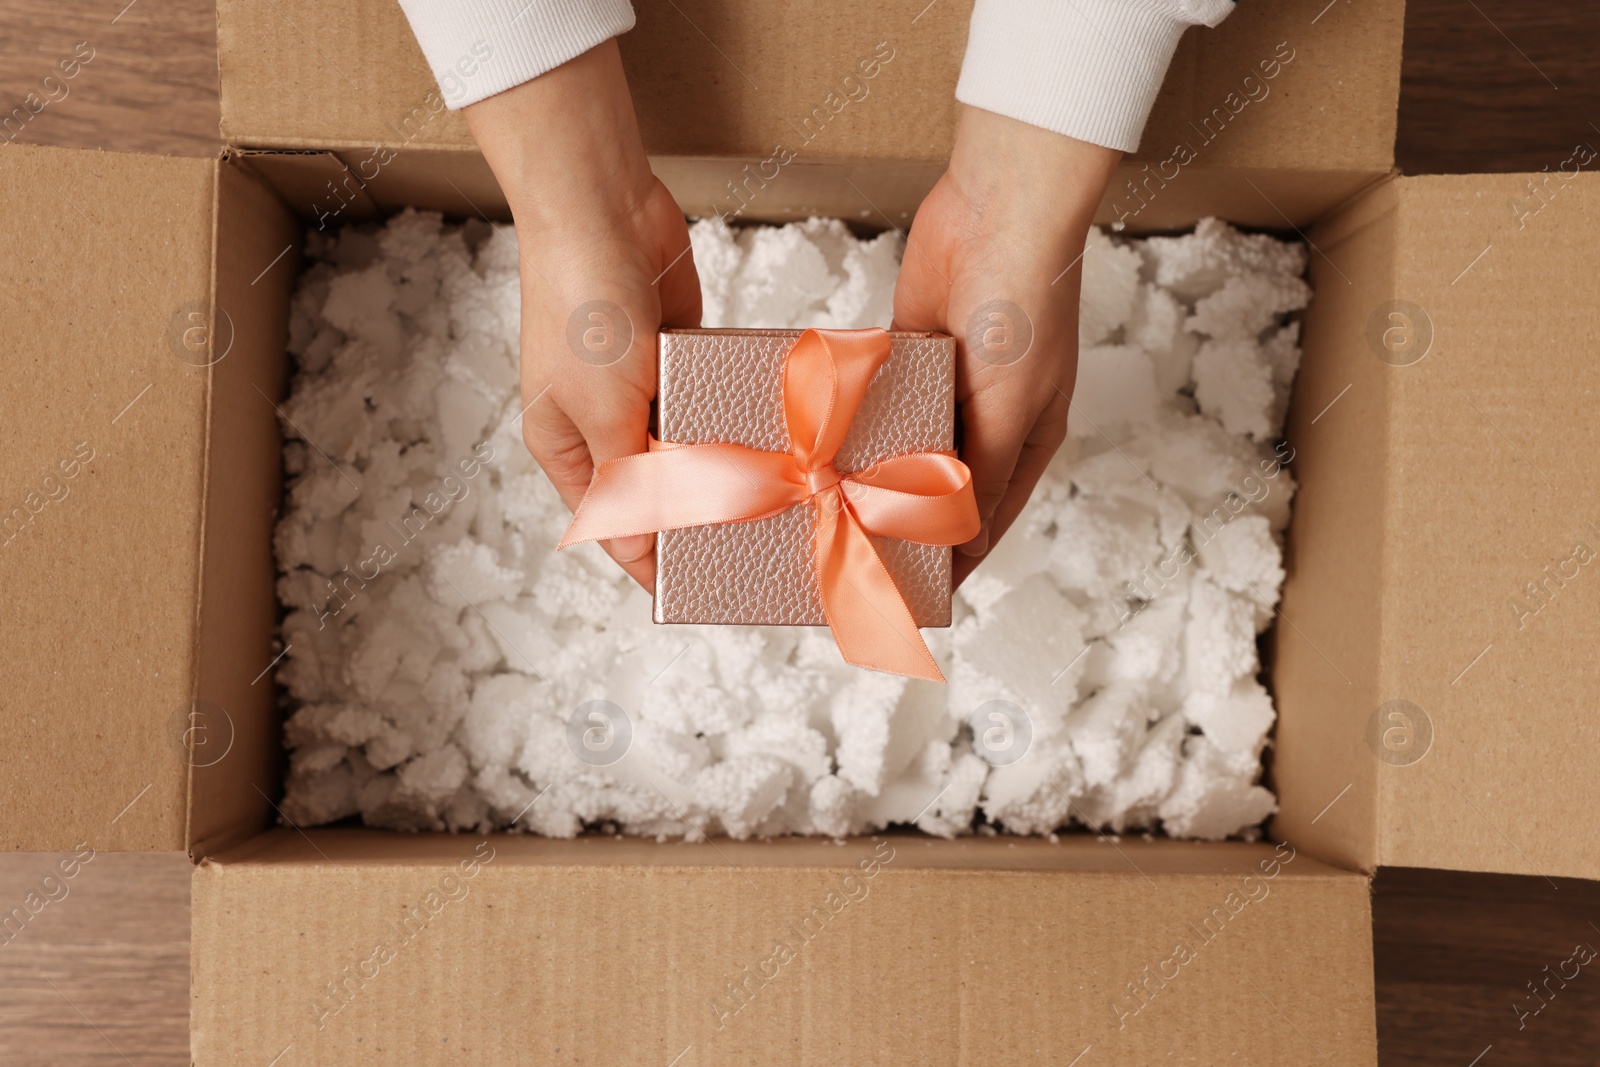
{"x": 316, "y": 184}
{"x": 194, "y": 745}
{"x": 254, "y": 255}
{"x": 332, "y": 184}
{"x": 1326, "y": 672}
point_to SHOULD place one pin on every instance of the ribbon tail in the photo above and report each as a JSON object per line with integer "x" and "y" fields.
{"x": 870, "y": 620}
{"x": 687, "y": 485}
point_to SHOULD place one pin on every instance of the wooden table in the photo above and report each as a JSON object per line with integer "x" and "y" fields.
{"x": 101, "y": 976}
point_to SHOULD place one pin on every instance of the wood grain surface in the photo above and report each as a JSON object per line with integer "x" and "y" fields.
{"x": 101, "y": 975}
{"x": 1496, "y": 85}
{"x": 150, "y": 86}
{"x": 1454, "y": 958}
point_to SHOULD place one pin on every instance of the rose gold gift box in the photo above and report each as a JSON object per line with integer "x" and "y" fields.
{"x": 727, "y": 385}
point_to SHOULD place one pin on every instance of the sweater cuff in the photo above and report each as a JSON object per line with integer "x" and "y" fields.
{"x": 478, "y": 48}
{"x": 1089, "y": 69}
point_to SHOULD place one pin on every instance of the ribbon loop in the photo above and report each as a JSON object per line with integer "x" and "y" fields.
{"x": 925, "y": 497}
{"x": 825, "y": 376}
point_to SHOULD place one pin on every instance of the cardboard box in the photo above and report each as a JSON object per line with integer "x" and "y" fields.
{"x": 1442, "y": 431}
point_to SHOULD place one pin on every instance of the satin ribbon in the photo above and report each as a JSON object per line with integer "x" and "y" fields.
{"x": 924, "y": 497}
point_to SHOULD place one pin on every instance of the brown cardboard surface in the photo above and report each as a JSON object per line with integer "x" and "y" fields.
{"x": 327, "y": 189}
{"x": 717, "y": 79}
{"x": 887, "y": 193}
{"x": 317, "y": 186}
{"x": 1493, "y": 438}
{"x": 378, "y": 848}
{"x": 1326, "y": 645}
{"x": 1434, "y": 494}
{"x": 105, "y": 282}
{"x": 257, "y": 244}
{"x": 604, "y": 951}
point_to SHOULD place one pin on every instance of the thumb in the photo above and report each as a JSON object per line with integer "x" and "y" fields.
{"x": 568, "y": 451}
{"x": 921, "y": 295}
{"x": 992, "y": 433}
{"x": 621, "y": 428}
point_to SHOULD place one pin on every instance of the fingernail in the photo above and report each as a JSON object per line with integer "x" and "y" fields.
{"x": 628, "y": 549}
{"x": 977, "y": 546}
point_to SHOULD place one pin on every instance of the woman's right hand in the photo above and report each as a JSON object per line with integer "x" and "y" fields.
{"x": 605, "y": 264}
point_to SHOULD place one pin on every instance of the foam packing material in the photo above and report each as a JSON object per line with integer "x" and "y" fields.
{"x": 446, "y": 669}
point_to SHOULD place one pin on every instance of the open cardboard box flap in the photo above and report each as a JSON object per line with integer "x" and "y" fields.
{"x": 1305, "y": 87}
{"x": 1435, "y": 668}
{"x": 349, "y": 946}
{"x": 108, "y": 268}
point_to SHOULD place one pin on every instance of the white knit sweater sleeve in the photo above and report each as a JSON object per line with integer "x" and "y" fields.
{"x": 1087, "y": 68}
{"x": 481, "y": 47}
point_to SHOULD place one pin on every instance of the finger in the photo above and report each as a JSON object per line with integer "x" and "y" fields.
{"x": 619, "y": 429}
{"x": 559, "y": 448}
{"x": 922, "y": 290}
{"x": 603, "y": 379}
{"x": 921, "y": 293}
{"x": 1038, "y": 448}
{"x": 994, "y": 425}
{"x": 679, "y": 289}
{"x": 921, "y": 297}
{"x": 563, "y": 452}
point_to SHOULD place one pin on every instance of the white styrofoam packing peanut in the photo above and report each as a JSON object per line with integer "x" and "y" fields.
{"x": 438, "y": 645}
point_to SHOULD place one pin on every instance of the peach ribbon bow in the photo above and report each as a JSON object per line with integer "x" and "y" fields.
{"x": 924, "y": 497}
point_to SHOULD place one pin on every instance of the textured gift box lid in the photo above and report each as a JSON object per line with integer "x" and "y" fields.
{"x": 727, "y": 385}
